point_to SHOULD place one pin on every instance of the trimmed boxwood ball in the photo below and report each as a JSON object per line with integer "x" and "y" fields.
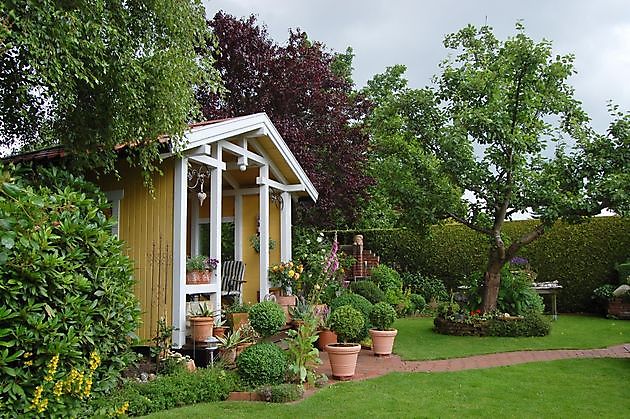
{"x": 347, "y": 322}
{"x": 262, "y": 363}
{"x": 382, "y": 316}
{"x": 358, "y": 302}
{"x": 369, "y": 290}
{"x": 267, "y": 317}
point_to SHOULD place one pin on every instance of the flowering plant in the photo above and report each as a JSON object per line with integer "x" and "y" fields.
{"x": 201, "y": 263}
{"x": 287, "y": 276}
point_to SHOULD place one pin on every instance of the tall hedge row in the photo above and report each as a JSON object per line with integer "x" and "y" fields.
{"x": 581, "y": 257}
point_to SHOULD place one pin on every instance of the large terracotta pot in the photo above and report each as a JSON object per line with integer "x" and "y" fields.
{"x": 326, "y": 337}
{"x": 198, "y": 277}
{"x": 201, "y": 328}
{"x": 383, "y": 341}
{"x": 343, "y": 359}
{"x": 285, "y": 302}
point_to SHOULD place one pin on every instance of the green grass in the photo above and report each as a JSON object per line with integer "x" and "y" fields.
{"x": 584, "y": 388}
{"x": 416, "y": 340}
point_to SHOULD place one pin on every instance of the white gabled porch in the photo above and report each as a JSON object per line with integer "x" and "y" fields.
{"x": 238, "y": 158}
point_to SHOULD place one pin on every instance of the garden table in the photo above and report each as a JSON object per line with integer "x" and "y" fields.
{"x": 551, "y": 289}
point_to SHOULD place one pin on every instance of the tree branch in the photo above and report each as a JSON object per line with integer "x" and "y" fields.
{"x": 525, "y": 240}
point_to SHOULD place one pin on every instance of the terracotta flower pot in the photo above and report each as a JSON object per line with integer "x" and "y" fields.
{"x": 238, "y": 320}
{"x": 219, "y": 331}
{"x": 286, "y": 301}
{"x": 326, "y": 337}
{"x": 343, "y": 359}
{"x": 228, "y": 355}
{"x": 198, "y": 277}
{"x": 201, "y": 328}
{"x": 383, "y": 341}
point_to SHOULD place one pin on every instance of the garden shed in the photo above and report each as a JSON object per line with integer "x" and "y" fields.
{"x": 231, "y": 184}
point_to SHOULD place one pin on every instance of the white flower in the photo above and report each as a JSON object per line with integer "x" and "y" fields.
{"x": 319, "y": 239}
{"x": 308, "y": 241}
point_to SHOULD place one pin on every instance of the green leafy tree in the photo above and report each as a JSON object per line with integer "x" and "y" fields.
{"x": 91, "y": 75}
{"x": 483, "y": 129}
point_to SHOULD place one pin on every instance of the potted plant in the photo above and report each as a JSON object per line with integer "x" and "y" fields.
{"x": 228, "y": 346}
{"x": 238, "y": 314}
{"x": 199, "y": 269}
{"x": 382, "y": 317}
{"x": 325, "y": 335}
{"x": 347, "y": 322}
{"x": 287, "y": 277}
{"x": 202, "y": 322}
{"x": 301, "y": 312}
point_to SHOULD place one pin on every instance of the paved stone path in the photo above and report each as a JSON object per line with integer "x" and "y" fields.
{"x": 369, "y": 366}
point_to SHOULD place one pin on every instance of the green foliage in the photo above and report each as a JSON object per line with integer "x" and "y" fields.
{"x": 168, "y": 391}
{"x": 400, "y": 300}
{"x": 369, "y": 290}
{"x": 580, "y": 257}
{"x": 358, "y": 302}
{"x": 303, "y": 356}
{"x": 532, "y": 324}
{"x": 348, "y": 323}
{"x": 418, "y": 302}
{"x": 281, "y": 393}
{"x": 94, "y": 75}
{"x": 624, "y": 272}
{"x": 429, "y": 288}
{"x": 386, "y": 278}
{"x": 382, "y": 316}
{"x": 262, "y": 363}
{"x": 267, "y": 317}
{"x": 67, "y": 287}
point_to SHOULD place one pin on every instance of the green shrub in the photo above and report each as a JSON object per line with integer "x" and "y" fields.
{"x": 385, "y": 277}
{"x": 281, "y": 393}
{"x": 167, "y": 392}
{"x": 358, "y": 302}
{"x": 262, "y": 363}
{"x": 267, "y": 317}
{"x": 67, "y": 290}
{"x": 624, "y": 272}
{"x": 532, "y": 324}
{"x": 400, "y": 300}
{"x": 418, "y": 302}
{"x": 369, "y": 290}
{"x": 428, "y": 287}
{"x": 382, "y": 316}
{"x": 348, "y": 323}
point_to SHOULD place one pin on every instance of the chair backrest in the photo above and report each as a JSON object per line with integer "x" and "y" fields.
{"x": 232, "y": 274}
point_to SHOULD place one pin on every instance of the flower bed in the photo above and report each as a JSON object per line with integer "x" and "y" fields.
{"x": 530, "y": 325}
{"x": 457, "y": 328}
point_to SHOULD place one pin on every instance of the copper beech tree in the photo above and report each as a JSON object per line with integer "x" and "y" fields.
{"x": 308, "y": 94}
{"x": 494, "y": 125}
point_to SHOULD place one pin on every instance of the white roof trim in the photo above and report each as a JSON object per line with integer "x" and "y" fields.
{"x": 208, "y": 134}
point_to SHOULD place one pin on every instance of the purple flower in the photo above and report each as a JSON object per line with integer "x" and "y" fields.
{"x": 517, "y": 260}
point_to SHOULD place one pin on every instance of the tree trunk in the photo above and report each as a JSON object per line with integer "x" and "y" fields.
{"x": 492, "y": 281}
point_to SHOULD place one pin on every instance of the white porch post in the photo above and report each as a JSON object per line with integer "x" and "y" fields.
{"x": 216, "y": 186}
{"x": 238, "y": 226}
{"x": 285, "y": 228}
{"x": 179, "y": 252}
{"x": 264, "y": 230}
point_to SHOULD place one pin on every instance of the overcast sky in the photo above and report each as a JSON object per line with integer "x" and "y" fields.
{"x": 387, "y": 32}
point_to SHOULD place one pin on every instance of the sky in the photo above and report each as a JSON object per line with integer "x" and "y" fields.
{"x": 383, "y": 33}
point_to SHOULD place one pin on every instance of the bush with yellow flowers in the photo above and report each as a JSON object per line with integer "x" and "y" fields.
{"x": 288, "y": 277}
{"x": 67, "y": 303}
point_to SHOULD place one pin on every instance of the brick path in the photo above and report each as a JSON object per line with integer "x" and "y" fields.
{"x": 369, "y": 366}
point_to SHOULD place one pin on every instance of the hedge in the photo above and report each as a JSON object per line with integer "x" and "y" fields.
{"x": 580, "y": 256}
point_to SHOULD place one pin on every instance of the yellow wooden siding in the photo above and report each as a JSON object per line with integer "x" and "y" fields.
{"x": 250, "y": 257}
{"x": 146, "y": 225}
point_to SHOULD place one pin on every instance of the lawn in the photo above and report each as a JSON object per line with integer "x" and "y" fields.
{"x": 583, "y": 388}
{"x": 416, "y": 340}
